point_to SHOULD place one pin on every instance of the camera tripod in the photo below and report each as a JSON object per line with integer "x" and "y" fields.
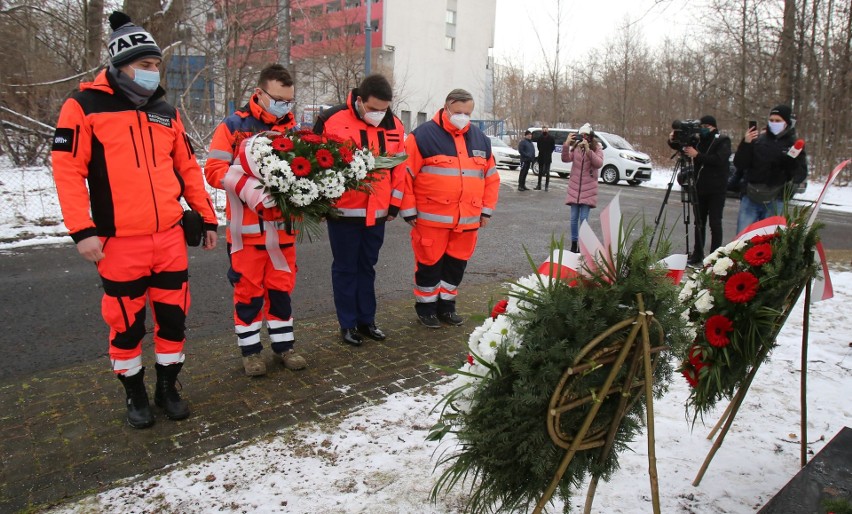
{"x": 688, "y": 196}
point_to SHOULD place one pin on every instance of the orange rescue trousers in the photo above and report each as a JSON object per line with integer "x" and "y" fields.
{"x": 134, "y": 271}
{"x": 262, "y": 292}
{"x": 441, "y": 256}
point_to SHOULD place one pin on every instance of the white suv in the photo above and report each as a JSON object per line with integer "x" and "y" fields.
{"x": 621, "y": 160}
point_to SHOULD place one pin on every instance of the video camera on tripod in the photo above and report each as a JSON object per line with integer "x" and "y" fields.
{"x": 686, "y": 132}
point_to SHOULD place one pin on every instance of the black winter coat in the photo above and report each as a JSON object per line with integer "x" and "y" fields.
{"x": 546, "y": 145}
{"x": 765, "y": 160}
{"x": 712, "y": 163}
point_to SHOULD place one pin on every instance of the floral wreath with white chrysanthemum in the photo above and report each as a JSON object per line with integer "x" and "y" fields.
{"x": 738, "y": 302}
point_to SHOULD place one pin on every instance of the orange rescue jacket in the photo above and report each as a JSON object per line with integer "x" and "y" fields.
{"x": 224, "y": 150}
{"x": 137, "y": 163}
{"x": 451, "y": 179}
{"x": 386, "y": 139}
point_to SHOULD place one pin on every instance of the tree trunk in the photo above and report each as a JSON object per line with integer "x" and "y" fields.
{"x": 94, "y": 12}
{"x": 787, "y": 52}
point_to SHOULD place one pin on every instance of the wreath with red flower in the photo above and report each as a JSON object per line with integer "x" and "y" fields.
{"x": 738, "y": 303}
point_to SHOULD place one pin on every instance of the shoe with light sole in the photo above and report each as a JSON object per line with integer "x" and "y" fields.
{"x": 254, "y": 365}
{"x": 292, "y": 360}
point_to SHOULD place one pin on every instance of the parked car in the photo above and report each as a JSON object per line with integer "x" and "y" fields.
{"x": 621, "y": 160}
{"x": 504, "y": 155}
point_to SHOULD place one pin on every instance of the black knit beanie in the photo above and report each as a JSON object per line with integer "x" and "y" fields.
{"x": 785, "y": 112}
{"x": 129, "y": 42}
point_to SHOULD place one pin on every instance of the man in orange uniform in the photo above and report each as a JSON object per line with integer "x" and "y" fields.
{"x": 451, "y": 191}
{"x": 119, "y": 137}
{"x": 262, "y": 283}
{"x": 357, "y": 234}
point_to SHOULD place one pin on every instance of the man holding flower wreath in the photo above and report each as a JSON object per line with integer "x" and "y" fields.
{"x": 261, "y": 287}
{"x": 357, "y": 233}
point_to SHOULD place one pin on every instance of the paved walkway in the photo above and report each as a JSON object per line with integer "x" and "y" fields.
{"x": 63, "y": 433}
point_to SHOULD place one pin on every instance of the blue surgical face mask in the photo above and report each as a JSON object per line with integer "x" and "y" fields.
{"x": 146, "y": 79}
{"x": 279, "y": 108}
{"x": 776, "y": 127}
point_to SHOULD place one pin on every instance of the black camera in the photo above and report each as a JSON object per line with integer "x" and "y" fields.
{"x": 581, "y": 137}
{"x": 686, "y": 132}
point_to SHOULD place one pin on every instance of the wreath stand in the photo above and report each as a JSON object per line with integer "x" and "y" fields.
{"x": 736, "y": 402}
{"x": 601, "y": 351}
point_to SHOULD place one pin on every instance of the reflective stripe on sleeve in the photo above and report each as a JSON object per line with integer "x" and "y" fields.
{"x": 438, "y": 218}
{"x": 438, "y": 170}
{"x": 222, "y": 155}
{"x": 490, "y": 172}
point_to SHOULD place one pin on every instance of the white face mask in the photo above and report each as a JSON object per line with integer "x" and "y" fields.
{"x": 460, "y": 120}
{"x": 776, "y": 127}
{"x": 374, "y": 118}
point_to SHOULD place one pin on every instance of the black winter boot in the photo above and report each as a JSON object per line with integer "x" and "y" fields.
{"x": 138, "y": 410}
{"x": 166, "y": 395}
{"x": 575, "y": 248}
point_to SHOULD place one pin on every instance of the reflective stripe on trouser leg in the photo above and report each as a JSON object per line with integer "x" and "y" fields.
{"x": 429, "y": 245}
{"x": 355, "y": 250}
{"x": 279, "y": 321}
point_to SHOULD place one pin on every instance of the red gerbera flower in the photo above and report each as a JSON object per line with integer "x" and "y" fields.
{"x": 334, "y": 138}
{"x": 324, "y": 158}
{"x": 312, "y": 139}
{"x": 741, "y": 287}
{"x": 716, "y": 330}
{"x": 282, "y": 144}
{"x": 759, "y": 255}
{"x": 756, "y": 240}
{"x": 499, "y": 308}
{"x": 301, "y": 167}
{"x": 470, "y": 359}
{"x": 346, "y": 154}
{"x": 691, "y": 375}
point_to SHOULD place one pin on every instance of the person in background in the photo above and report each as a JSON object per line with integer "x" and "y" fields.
{"x": 585, "y": 154}
{"x": 710, "y": 156}
{"x": 527, "y": 151}
{"x": 262, "y": 285}
{"x": 451, "y": 191}
{"x": 356, "y": 235}
{"x": 121, "y": 162}
{"x": 773, "y": 162}
{"x": 546, "y": 146}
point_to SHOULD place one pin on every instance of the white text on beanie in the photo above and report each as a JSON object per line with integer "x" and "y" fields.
{"x": 129, "y": 42}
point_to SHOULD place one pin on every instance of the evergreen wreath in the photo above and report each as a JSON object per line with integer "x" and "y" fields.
{"x": 515, "y": 362}
{"x": 738, "y": 303}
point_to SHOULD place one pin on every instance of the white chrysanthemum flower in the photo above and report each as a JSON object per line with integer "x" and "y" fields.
{"x": 691, "y": 330}
{"x": 734, "y": 246}
{"x": 704, "y": 301}
{"x": 710, "y": 259}
{"x": 722, "y": 266}
{"x": 687, "y": 290}
{"x": 270, "y": 161}
{"x": 303, "y": 192}
{"x": 478, "y": 332}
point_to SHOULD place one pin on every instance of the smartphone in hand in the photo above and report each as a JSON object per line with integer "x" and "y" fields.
{"x": 752, "y": 124}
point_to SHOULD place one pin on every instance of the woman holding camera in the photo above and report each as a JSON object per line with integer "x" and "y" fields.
{"x": 586, "y": 157}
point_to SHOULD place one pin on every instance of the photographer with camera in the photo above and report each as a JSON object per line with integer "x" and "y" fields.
{"x": 706, "y": 181}
{"x": 773, "y": 162}
{"x": 586, "y": 157}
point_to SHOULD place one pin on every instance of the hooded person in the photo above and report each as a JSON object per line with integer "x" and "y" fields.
{"x": 773, "y": 162}
{"x": 121, "y": 163}
{"x": 585, "y": 154}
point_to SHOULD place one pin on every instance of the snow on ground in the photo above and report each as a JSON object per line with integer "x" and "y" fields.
{"x": 376, "y": 460}
{"x": 30, "y": 215}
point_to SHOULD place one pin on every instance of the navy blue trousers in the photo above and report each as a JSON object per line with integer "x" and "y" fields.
{"x": 355, "y": 250}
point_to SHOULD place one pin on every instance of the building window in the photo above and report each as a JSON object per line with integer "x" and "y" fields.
{"x": 405, "y": 117}
{"x": 333, "y": 33}
{"x": 315, "y": 11}
{"x": 316, "y": 37}
{"x": 421, "y": 118}
{"x": 353, "y": 29}
{"x": 374, "y": 25}
{"x": 332, "y": 7}
{"x": 299, "y": 39}
{"x": 449, "y": 43}
{"x": 351, "y": 4}
{"x": 451, "y": 17}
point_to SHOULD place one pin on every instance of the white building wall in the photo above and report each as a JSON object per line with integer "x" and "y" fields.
{"x": 423, "y": 70}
